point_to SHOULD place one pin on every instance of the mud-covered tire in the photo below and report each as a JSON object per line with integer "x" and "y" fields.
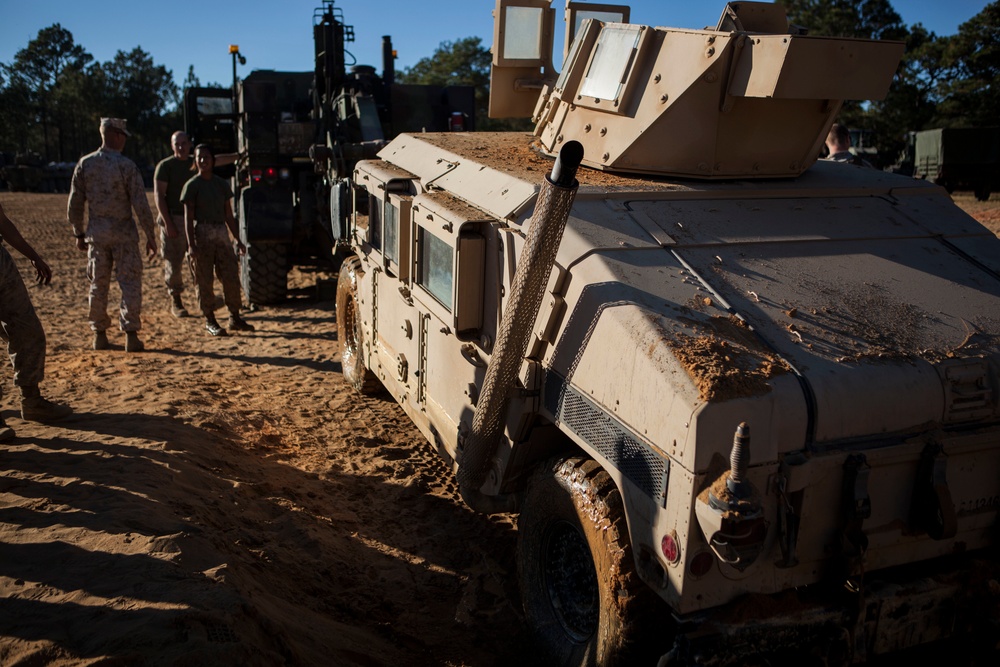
{"x": 582, "y": 597}
{"x": 350, "y": 333}
{"x": 264, "y": 273}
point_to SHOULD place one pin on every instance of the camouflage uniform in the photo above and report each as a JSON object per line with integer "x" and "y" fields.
{"x": 175, "y": 172}
{"x": 215, "y": 249}
{"x": 20, "y": 326}
{"x": 111, "y": 186}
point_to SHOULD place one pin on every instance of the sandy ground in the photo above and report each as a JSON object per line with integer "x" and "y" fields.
{"x": 231, "y": 501}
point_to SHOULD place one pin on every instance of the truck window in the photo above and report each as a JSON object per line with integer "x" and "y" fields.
{"x": 435, "y": 269}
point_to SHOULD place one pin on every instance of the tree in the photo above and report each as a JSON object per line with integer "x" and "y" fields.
{"x": 868, "y": 19}
{"x": 39, "y": 69}
{"x": 465, "y": 62}
{"x": 141, "y": 92}
{"x": 970, "y": 86}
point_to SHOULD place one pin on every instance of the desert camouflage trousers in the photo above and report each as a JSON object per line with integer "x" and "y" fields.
{"x": 173, "y": 251}
{"x": 215, "y": 252}
{"x": 124, "y": 261}
{"x": 20, "y": 328}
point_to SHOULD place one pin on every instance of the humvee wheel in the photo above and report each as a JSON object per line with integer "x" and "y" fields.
{"x": 581, "y": 594}
{"x": 349, "y": 331}
{"x": 982, "y": 192}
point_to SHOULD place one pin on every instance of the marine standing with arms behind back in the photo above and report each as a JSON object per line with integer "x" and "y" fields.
{"x": 208, "y": 211}
{"x": 111, "y": 187}
{"x": 169, "y": 178}
{"x": 23, "y": 333}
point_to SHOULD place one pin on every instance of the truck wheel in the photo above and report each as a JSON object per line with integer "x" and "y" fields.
{"x": 349, "y": 331}
{"x": 264, "y": 273}
{"x": 581, "y": 594}
{"x": 983, "y": 193}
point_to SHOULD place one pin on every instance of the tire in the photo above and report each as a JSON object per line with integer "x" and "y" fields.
{"x": 350, "y": 332}
{"x": 581, "y": 594}
{"x": 264, "y": 273}
{"x": 982, "y": 193}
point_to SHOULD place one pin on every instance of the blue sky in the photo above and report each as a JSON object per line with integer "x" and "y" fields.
{"x": 278, "y": 34}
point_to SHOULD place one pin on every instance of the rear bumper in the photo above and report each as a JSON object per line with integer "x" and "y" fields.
{"x": 885, "y": 613}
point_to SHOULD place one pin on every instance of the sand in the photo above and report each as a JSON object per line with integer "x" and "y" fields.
{"x": 230, "y": 501}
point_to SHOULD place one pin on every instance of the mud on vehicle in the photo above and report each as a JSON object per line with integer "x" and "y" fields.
{"x": 744, "y": 402}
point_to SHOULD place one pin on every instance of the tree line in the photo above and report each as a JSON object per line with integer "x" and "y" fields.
{"x": 53, "y": 92}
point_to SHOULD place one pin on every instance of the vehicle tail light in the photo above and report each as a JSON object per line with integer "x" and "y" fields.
{"x": 671, "y": 550}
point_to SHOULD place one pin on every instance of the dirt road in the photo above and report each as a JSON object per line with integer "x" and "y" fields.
{"x": 231, "y": 502}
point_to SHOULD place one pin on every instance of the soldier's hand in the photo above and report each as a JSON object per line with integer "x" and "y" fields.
{"x": 240, "y": 248}
{"x": 42, "y": 271}
{"x": 150, "y": 248}
{"x": 81, "y": 244}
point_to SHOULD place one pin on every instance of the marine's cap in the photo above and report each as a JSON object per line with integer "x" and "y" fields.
{"x": 116, "y": 123}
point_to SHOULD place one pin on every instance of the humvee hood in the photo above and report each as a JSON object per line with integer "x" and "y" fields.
{"x": 800, "y": 311}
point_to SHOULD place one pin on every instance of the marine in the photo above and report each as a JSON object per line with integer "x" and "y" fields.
{"x": 109, "y": 186}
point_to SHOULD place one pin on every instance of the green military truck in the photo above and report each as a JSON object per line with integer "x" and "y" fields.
{"x": 959, "y": 158}
{"x": 299, "y": 135}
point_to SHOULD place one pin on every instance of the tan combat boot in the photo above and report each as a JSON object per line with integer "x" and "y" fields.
{"x": 100, "y": 340}
{"x": 237, "y": 323}
{"x": 37, "y": 409}
{"x": 177, "y": 308}
{"x": 132, "y": 342}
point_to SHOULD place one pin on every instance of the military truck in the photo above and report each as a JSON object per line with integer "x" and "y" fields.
{"x": 744, "y": 402}
{"x": 300, "y": 134}
{"x": 959, "y": 159}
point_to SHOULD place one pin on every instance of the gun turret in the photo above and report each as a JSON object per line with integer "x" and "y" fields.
{"x": 752, "y": 98}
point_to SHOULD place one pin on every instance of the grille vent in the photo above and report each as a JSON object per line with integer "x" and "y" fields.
{"x": 613, "y": 440}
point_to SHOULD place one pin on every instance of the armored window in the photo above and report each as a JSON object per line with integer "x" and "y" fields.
{"x": 435, "y": 267}
{"x": 398, "y": 235}
{"x": 375, "y": 222}
{"x": 390, "y": 224}
{"x": 612, "y": 62}
{"x": 360, "y": 208}
{"x": 522, "y": 39}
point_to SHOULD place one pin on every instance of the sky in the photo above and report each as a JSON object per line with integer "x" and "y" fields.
{"x": 278, "y": 34}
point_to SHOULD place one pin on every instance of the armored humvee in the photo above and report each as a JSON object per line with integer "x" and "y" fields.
{"x": 745, "y": 402}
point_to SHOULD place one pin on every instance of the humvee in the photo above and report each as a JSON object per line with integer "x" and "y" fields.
{"x": 744, "y": 402}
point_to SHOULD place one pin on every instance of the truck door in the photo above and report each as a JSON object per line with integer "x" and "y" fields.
{"x": 396, "y": 319}
{"x": 450, "y": 268}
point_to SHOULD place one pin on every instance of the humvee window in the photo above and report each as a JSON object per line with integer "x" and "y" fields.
{"x": 390, "y": 224}
{"x": 436, "y": 268}
{"x": 612, "y": 60}
{"x": 375, "y": 222}
{"x": 524, "y": 27}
